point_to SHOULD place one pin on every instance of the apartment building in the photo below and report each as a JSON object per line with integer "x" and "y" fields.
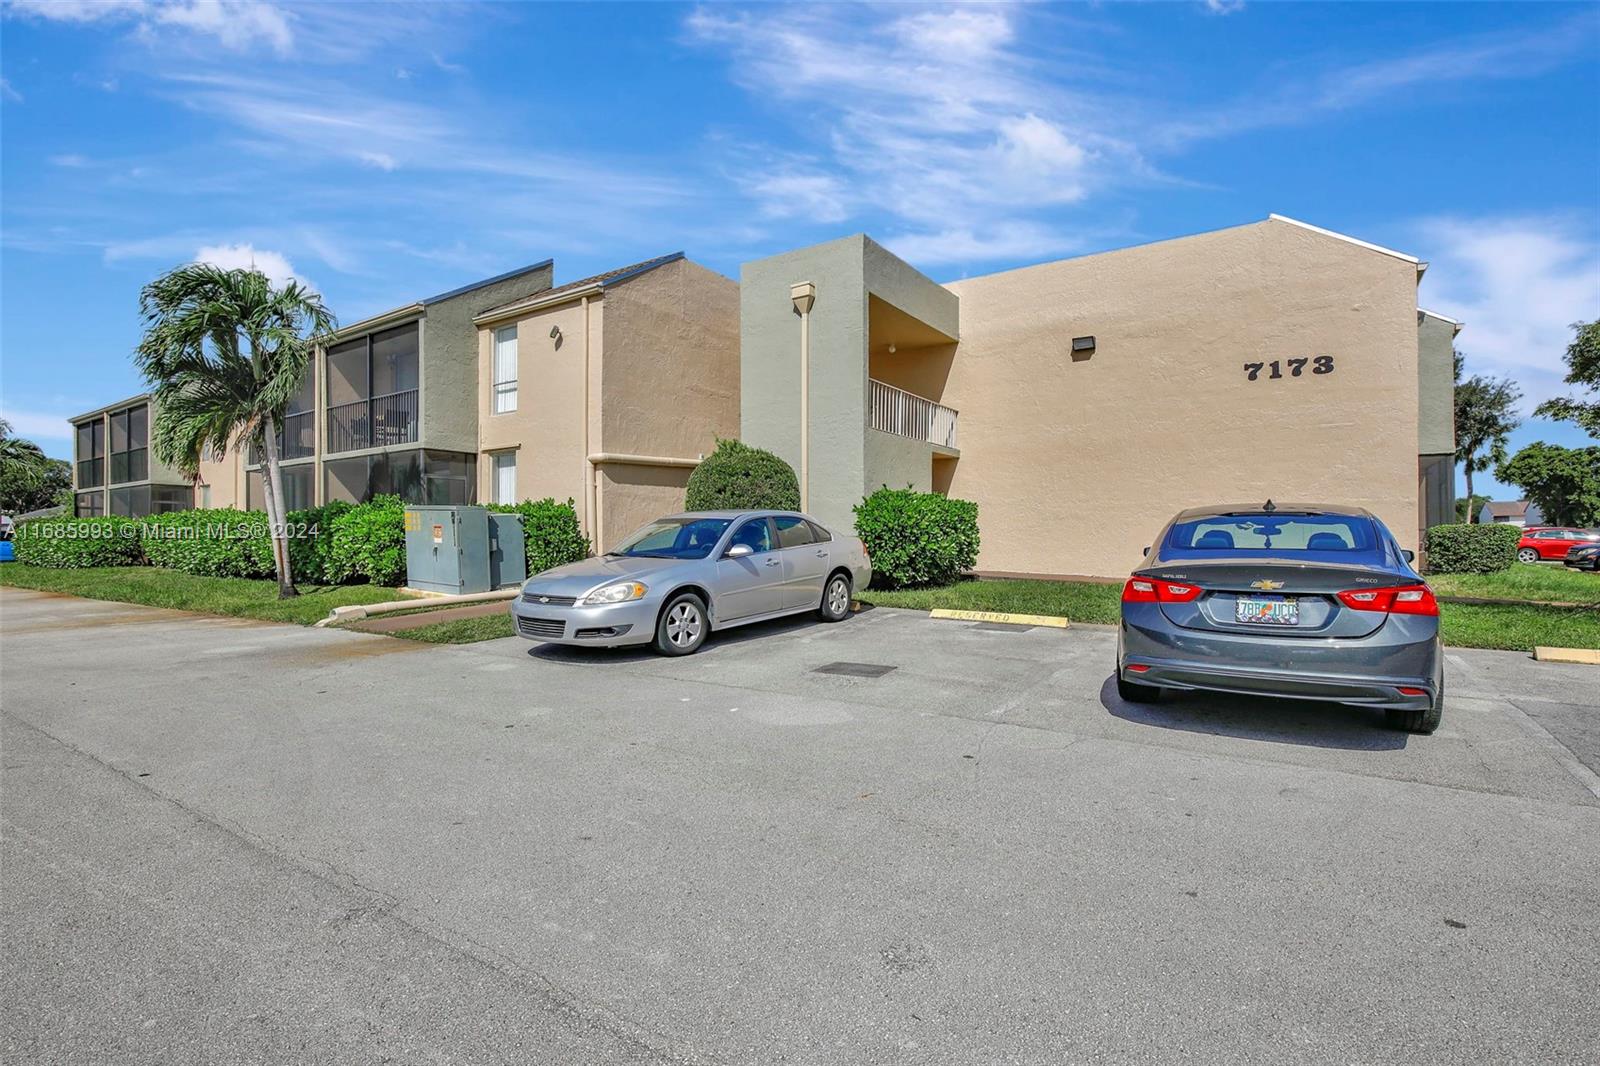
{"x": 113, "y": 469}
{"x": 1081, "y": 403}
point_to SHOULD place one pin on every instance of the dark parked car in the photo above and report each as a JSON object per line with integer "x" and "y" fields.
{"x": 1300, "y": 601}
{"x": 1584, "y": 557}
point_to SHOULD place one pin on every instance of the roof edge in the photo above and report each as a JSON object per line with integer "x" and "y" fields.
{"x": 1413, "y": 260}
{"x": 117, "y": 405}
{"x": 507, "y": 276}
{"x": 573, "y": 291}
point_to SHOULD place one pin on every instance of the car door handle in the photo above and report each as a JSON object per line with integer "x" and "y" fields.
{"x": 821, "y": 554}
{"x": 774, "y": 562}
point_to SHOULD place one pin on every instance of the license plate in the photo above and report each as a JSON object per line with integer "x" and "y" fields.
{"x": 1262, "y": 612}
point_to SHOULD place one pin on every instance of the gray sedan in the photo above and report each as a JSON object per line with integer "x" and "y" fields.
{"x": 1306, "y": 602}
{"x": 674, "y": 581}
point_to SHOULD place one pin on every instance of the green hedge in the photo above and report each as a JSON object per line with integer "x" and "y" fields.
{"x": 368, "y": 542}
{"x": 67, "y": 543}
{"x": 917, "y": 538}
{"x": 551, "y": 531}
{"x": 223, "y": 542}
{"x": 1474, "y": 549}
{"x": 737, "y": 477}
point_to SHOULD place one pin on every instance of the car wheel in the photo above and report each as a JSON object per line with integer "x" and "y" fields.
{"x": 836, "y": 599}
{"x": 1132, "y": 693}
{"x": 683, "y": 625}
{"x": 1526, "y": 555}
{"x": 1423, "y": 722}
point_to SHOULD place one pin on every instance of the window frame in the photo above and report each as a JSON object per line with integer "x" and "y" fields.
{"x": 498, "y": 461}
{"x": 799, "y": 523}
{"x": 503, "y": 392}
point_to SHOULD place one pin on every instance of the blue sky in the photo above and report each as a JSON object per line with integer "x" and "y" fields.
{"x": 387, "y": 152}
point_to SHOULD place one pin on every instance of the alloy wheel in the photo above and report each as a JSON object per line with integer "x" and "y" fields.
{"x": 1527, "y": 555}
{"x": 838, "y": 596}
{"x": 683, "y": 625}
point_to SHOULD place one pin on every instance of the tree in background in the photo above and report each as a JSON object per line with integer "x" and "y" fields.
{"x": 1486, "y": 413}
{"x": 1583, "y": 370}
{"x": 29, "y": 479}
{"x": 1564, "y": 482}
{"x": 225, "y": 352}
{"x": 1469, "y": 505}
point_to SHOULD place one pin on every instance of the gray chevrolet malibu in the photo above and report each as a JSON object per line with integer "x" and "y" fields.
{"x": 675, "y": 580}
{"x": 1294, "y": 600}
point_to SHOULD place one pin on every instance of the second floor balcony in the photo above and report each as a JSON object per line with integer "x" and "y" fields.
{"x": 906, "y": 414}
{"x": 296, "y": 439}
{"x": 376, "y": 422}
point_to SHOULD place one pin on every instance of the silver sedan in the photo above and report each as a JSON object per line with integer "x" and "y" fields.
{"x": 675, "y": 580}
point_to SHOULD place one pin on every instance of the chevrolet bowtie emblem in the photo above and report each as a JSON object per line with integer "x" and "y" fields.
{"x": 1266, "y": 585}
{"x": 544, "y": 599}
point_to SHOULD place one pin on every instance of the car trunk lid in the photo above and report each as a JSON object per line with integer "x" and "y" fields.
{"x": 1273, "y": 596}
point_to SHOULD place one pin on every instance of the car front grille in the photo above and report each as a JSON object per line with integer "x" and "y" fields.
{"x": 542, "y": 627}
{"x": 546, "y": 600}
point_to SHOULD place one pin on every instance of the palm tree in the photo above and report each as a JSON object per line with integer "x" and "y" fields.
{"x": 225, "y": 352}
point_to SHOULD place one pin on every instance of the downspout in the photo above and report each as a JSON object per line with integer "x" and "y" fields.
{"x": 803, "y": 296}
{"x": 590, "y": 500}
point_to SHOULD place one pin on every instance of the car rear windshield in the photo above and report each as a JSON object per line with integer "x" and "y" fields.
{"x": 1222, "y": 534}
{"x": 675, "y": 538}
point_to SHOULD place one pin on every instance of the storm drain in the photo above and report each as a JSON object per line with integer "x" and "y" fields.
{"x": 854, "y": 669}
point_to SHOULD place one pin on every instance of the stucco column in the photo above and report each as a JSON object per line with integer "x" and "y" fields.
{"x": 803, "y": 295}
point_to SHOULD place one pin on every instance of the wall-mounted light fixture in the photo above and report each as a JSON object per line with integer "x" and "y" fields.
{"x": 1083, "y": 344}
{"x": 555, "y": 335}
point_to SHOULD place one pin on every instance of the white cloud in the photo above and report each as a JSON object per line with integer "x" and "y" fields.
{"x": 8, "y": 93}
{"x": 1518, "y": 283}
{"x": 1224, "y": 7}
{"x": 275, "y": 265}
{"x": 379, "y": 160}
{"x": 71, "y": 160}
{"x": 236, "y": 24}
{"x": 38, "y": 425}
{"x": 1018, "y": 240}
{"x": 818, "y": 197}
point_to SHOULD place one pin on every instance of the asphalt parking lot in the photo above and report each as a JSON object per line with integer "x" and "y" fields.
{"x": 228, "y": 841}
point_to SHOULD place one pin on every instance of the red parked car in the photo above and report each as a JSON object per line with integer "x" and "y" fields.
{"x": 1552, "y": 542}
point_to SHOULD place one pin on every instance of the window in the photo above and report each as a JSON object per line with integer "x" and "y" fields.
{"x": 89, "y": 505}
{"x": 130, "y": 435}
{"x": 91, "y": 454}
{"x": 822, "y": 535}
{"x": 414, "y": 476}
{"x": 298, "y": 483}
{"x": 755, "y": 534}
{"x": 1276, "y": 532}
{"x": 165, "y": 498}
{"x": 131, "y": 502}
{"x": 675, "y": 538}
{"x": 504, "y": 487}
{"x": 505, "y": 370}
{"x": 792, "y": 532}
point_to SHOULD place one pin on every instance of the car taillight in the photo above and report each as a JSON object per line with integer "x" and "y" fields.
{"x": 1407, "y": 599}
{"x": 1155, "y": 590}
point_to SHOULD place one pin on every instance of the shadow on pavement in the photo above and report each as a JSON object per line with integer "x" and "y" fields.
{"x": 718, "y": 641}
{"x": 1278, "y": 721}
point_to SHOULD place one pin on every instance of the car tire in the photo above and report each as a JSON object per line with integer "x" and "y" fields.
{"x": 835, "y": 599}
{"x": 1129, "y": 692}
{"x": 1526, "y": 555}
{"x": 683, "y": 625}
{"x": 1420, "y": 722}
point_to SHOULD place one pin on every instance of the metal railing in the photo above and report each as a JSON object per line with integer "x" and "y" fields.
{"x": 373, "y": 423}
{"x": 906, "y": 414}
{"x": 295, "y": 439}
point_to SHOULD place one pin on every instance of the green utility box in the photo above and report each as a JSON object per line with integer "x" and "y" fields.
{"x": 508, "y": 554}
{"x": 463, "y": 549}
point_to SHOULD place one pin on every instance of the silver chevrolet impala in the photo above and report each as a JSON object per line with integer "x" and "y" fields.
{"x": 675, "y": 580}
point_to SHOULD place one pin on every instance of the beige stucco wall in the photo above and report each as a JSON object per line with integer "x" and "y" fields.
{"x": 547, "y": 428}
{"x": 897, "y": 462}
{"x": 224, "y": 480}
{"x": 671, "y": 373}
{"x": 631, "y": 495}
{"x": 1076, "y": 464}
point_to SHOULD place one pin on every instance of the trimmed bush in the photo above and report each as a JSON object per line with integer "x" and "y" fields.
{"x": 917, "y": 538}
{"x": 736, "y": 477}
{"x": 1474, "y": 549}
{"x": 368, "y": 542}
{"x": 221, "y": 542}
{"x": 550, "y": 530}
{"x": 311, "y": 542}
{"x": 67, "y": 543}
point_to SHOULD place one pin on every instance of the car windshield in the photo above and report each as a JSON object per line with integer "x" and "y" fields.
{"x": 674, "y": 538}
{"x": 1222, "y": 534}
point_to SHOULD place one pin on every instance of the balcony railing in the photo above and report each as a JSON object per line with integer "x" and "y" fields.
{"x": 373, "y": 423}
{"x": 295, "y": 438}
{"x": 906, "y": 414}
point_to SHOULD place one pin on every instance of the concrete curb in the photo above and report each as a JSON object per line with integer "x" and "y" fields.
{"x": 1587, "y": 656}
{"x": 357, "y": 612}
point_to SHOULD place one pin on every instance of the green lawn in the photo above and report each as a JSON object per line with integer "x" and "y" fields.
{"x": 1514, "y": 627}
{"x": 1549, "y": 582}
{"x": 235, "y": 596}
{"x": 462, "y": 630}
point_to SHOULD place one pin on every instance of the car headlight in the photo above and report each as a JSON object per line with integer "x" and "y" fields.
{"x": 621, "y": 592}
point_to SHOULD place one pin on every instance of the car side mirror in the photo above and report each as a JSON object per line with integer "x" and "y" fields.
{"x": 738, "y": 551}
{"x": 1408, "y": 555}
